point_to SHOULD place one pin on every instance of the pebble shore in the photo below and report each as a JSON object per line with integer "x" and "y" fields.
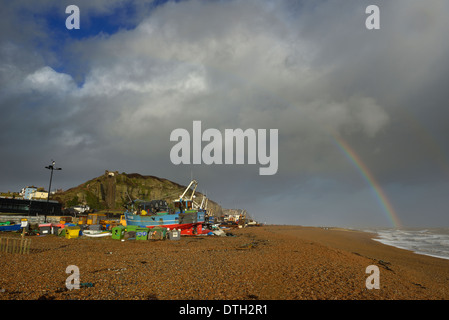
{"x": 257, "y": 263}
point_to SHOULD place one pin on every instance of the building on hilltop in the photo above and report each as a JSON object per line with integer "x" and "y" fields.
{"x": 27, "y": 192}
{"x": 32, "y": 193}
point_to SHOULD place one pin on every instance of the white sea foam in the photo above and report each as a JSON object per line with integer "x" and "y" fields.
{"x": 431, "y": 241}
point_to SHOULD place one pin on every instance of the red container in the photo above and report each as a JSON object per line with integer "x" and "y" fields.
{"x": 45, "y": 228}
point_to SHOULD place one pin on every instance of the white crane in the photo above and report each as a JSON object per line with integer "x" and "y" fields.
{"x": 192, "y": 183}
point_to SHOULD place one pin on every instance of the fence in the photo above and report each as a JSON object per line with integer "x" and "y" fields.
{"x": 15, "y": 245}
{"x": 31, "y": 219}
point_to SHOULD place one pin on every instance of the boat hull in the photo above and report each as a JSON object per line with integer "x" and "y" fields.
{"x": 12, "y": 227}
{"x": 187, "y": 222}
{"x": 97, "y": 235}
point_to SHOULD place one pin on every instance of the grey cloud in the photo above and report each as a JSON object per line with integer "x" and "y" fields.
{"x": 307, "y": 68}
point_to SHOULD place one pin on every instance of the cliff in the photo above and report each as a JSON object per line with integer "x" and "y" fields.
{"x": 112, "y": 190}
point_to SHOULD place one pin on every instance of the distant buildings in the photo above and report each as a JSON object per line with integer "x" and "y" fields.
{"x": 36, "y": 195}
{"x": 30, "y": 207}
{"x": 33, "y": 193}
{"x": 232, "y": 217}
{"x": 30, "y": 200}
{"x": 27, "y": 192}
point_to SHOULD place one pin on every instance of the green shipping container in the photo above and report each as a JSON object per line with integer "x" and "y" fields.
{"x": 118, "y": 232}
{"x": 141, "y": 233}
{"x": 157, "y": 233}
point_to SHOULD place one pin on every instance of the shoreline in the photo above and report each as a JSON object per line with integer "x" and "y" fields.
{"x": 410, "y": 250}
{"x": 376, "y": 237}
{"x": 256, "y": 263}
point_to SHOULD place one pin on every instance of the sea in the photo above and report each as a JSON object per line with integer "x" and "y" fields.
{"x": 432, "y": 242}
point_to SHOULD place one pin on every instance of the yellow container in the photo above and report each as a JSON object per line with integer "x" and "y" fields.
{"x": 95, "y": 218}
{"x": 82, "y": 220}
{"x": 72, "y": 232}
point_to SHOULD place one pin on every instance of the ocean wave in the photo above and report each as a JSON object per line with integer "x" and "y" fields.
{"x": 430, "y": 242}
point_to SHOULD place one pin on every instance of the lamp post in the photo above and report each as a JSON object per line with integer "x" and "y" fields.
{"x": 50, "y": 167}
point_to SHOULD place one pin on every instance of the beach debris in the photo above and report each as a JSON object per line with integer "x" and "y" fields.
{"x": 246, "y": 246}
{"x": 419, "y": 285}
{"x": 87, "y": 284}
{"x": 219, "y": 232}
{"x": 252, "y": 245}
{"x": 385, "y": 265}
{"x": 382, "y": 263}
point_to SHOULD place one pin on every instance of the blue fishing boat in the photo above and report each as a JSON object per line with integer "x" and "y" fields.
{"x": 157, "y": 213}
{"x": 11, "y": 227}
{"x": 188, "y": 220}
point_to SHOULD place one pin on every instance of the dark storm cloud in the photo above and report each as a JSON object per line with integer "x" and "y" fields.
{"x": 309, "y": 69}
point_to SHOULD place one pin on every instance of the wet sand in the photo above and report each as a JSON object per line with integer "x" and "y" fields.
{"x": 258, "y": 263}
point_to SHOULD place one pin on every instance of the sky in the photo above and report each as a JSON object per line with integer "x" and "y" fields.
{"x": 362, "y": 115}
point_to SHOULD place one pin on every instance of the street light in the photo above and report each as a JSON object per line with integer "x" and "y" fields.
{"x": 50, "y": 167}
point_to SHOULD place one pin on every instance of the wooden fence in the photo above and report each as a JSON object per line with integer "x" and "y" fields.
{"x": 15, "y": 245}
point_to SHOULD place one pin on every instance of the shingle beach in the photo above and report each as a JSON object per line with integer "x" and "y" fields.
{"x": 257, "y": 263}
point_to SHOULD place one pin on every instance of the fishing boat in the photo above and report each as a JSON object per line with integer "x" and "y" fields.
{"x": 183, "y": 215}
{"x": 96, "y": 233}
{"x": 10, "y": 227}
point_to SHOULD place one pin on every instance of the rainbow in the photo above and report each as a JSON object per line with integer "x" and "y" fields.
{"x": 368, "y": 176}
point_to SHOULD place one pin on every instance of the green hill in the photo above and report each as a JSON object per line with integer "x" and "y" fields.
{"x": 113, "y": 190}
